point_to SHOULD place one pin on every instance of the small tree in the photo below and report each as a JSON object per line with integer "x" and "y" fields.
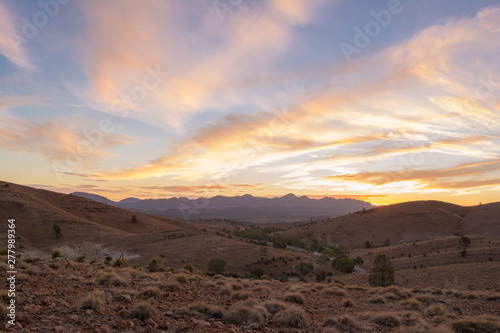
{"x": 343, "y": 264}
{"x": 382, "y": 273}
{"x": 257, "y": 272}
{"x": 368, "y": 245}
{"x": 464, "y": 252}
{"x": 304, "y": 268}
{"x": 216, "y": 266}
{"x": 387, "y": 242}
{"x": 57, "y": 231}
{"x": 155, "y": 265}
{"x": 464, "y": 241}
{"x": 358, "y": 261}
{"x": 134, "y": 219}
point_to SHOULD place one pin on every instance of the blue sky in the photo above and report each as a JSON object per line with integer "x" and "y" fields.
{"x": 382, "y": 100}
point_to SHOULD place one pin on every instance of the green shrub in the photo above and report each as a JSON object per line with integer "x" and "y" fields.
{"x": 189, "y": 267}
{"x": 143, "y": 311}
{"x": 216, "y": 266}
{"x": 81, "y": 258}
{"x": 57, "y": 254}
{"x": 120, "y": 262}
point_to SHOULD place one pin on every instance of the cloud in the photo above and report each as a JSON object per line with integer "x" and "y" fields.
{"x": 56, "y": 140}
{"x": 11, "y": 45}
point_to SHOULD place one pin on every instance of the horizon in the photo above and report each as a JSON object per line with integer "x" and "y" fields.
{"x": 383, "y": 101}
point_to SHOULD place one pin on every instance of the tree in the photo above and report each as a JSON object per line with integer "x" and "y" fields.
{"x": 368, "y": 244}
{"x": 464, "y": 241}
{"x": 304, "y": 268}
{"x": 216, "y": 266}
{"x": 358, "y": 261}
{"x": 57, "y": 231}
{"x": 464, "y": 252}
{"x": 257, "y": 272}
{"x": 382, "y": 273}
{"x": 343, "y": 264}
{"x": 387, "y": 242}
{"x": 134, "y": 218}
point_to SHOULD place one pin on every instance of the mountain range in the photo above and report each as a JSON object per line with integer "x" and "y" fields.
{"x": 288, "y": 208}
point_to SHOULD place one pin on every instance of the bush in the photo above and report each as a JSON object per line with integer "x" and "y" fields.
{"x": 386, "y": 320}
{"x": 81, "y": 258}
{"x": 321, "y": 276}
{"x": 343, "y": 264}
{"x": 143, "y": 311}
{"x": 347, "y": 303}
{"x": 294, "y": 298}
{"x": 151, "y": 292}
{"x": 93, "y": 301}
{"x": 377, "y": 300}
{"x": 303, "y": 269}
{"x": 107, "y": 278}
{"x": 358, "y": 261}
{"x": 434, "y": 310}
{"x": 479, "y": 324}
{"x": 284, "y": 278}
{"x": 57, "y": 231}
{"x": 257, "y": 272}
{"x": 57, "y": 254}
{"x": 242, "y": 295}
{"x": 241, "y": 314}
{"x": 155, "y": 265}
{"x": 216, "y": 266}
{"x": 181, "y": 278}
{"x": 134, "y": 219}
{"x": 120, "y": 263}
{"x": 207, "y": 310}
{"x": 382, "y": 273}
{"x": 292, "y": 316}
{"x": 189, "y": 267}
{"x": 274, "y": 306}
{"x": 172, "y": 286}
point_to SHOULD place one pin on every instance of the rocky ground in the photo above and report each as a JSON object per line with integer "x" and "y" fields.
{"x": 58, "y": 295}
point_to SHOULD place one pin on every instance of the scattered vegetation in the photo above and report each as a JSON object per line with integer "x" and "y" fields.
{"x": 57, "y": 254}
{"x": 216, "y": 266}
{"x": 382, "y": 273}
{"x": 291, "y": 316}
{"x": 57, "y": 231}
{"x": 93, "y": 301}
{"x": 294, "y": 298}
{"x": 143, "y": 311}
{"x": 242, "y": 314}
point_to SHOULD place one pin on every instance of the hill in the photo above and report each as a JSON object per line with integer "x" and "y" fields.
{"x": 288, "y": 208}
{"x": 405, "y": 223}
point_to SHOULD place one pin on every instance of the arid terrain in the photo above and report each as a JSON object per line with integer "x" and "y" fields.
{"x": 78, "y": 283}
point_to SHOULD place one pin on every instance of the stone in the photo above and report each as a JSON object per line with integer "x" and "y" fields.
{"x": 58, "y": 329}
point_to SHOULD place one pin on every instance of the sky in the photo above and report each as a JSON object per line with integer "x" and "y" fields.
{"x": 384, "y": 101}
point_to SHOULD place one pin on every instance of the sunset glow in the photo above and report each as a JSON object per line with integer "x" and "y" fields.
{"x": 383, "y": 101}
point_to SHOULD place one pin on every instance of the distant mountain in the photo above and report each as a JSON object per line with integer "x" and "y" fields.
{"x": 95, "y": 197}
{"x": 289, "y": 208}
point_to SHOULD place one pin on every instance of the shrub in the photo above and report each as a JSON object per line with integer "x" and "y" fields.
{"x": 81, "y": 258}
{"x": 257, "y": 272}
{"x": 120, "y": 262}
{"x": 172, "y": 286}
{"x": 347, "y": 303}
{"x": 189, "y": 267}
{"x": 4, "y": 251}
{"x": 93, "y": 261}
{"x": 303, "y": 269}
{"x": 386, "y": 320}
{"x": 344, "y": 323}
{"x": 207, "y": 310}
{"x": 292, "y": 316}
{"x": 143, "y": 311}
{"x": 155, "y": 265}
{"x": 107, "y": 278}
{"x": 242, "y": 295}
{"x": 294, "y": 298}
{"x": 321, "y": 276}
{"x": 479, "y": 324}
{"x": 274, "y": 306}
{"x": 335, "y": 292}
{"x": 151, "y": 292}
{"x": 241, "y": 314}
{"x": 226, "y": 291}
{"x": 358, "y": 261}
{"x": 382, "y": 273}
{"x": 181, "y": 278}
{"x": 284, "y": 278}
{"x": 343, "y": 264}
{"x": 426, "y": 299}
{"x": 57, "y": 231}
{"x": 134, "y": 219}
{"x": 411, "y": 304}
{"x": 216, "y": 266}
{"x": 57, "y": 254}
{"x": 93, "y": 301}
{"x": 434, "y": 310}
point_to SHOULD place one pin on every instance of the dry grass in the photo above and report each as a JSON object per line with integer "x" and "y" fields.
{"x": 411, "y": 304}
{"x": 292, "y": 316}
{"x": 274, "y": 306}
{"x": 377, "y": 300}
{"x": 151, "y": 292}
{"x": 480, "y": 324}
{"x": 93, "y": 301}
{"x": 226, "y": 291}
{"x": 172, "y": 286}
{"x": 242, "y": 295}
{"x": 434, "y": 310}
{"x": 345, "y": 323}
{"x": 347, "y": 303}
{"x": 470, "y": 296}
{"x": 180, "y": 278}
{"x": 294, "y": 298}
{"x": 207, "y": 310}
{"x": 242, "y": 314}
{"x": 110, "y": 278}
{"x": 354, "y": 287}
{"x": 143, "y": 311}
{"x": 386, "y": 319}
{"x": 335, "y": 292}
{"x": 428, "y": 299}
{"x": 439, "y": 329}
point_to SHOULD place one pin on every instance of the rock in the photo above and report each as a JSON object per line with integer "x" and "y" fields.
{"x": 105, "y": 329}
{"x": 24, "y": 330}
{"x": 151, "y": 322}
{"x": 58, "y": 329}
{"x": 120, "y": 323}
{"x": 201, "y": 323}
{"x": 73, "y": 318}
